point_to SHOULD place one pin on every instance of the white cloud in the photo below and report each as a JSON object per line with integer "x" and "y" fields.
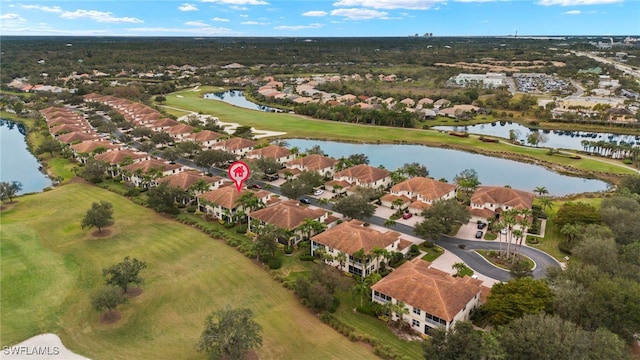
{"x": 196, "y": 23}
{"x": 244, "y": 15}
{"x": 194, "y": 31}
{"x": 390, "y": 4}
{"x": 49, "y": 9}
{"x": 253, "y": 23}
{"x": 187, "y": 7}
{"x": 577, "y": 2}
{"x": 317, "y": 13}
{"x": 573, "y": 12}
{"x": 239, "y": 8}
{"x": 220, "y": 19}
{"x": 237, "y": 2}
{"x": 298, "y": 27}
{"x": 99, "y": 16}
{"x": 11, "y": 17}
{"x": 360, "y": 14}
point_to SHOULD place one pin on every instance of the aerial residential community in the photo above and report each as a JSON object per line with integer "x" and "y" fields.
{"x": 208, "y": 190}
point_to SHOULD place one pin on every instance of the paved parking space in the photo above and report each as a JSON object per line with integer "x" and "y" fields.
{"x": 468, "y": 231}
{"x": 385, "y": 213}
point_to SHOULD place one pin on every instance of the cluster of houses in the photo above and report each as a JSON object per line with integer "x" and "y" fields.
{"x": 434, "y": 298}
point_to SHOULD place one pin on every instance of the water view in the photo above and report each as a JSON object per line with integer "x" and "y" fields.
{"x": 16, "y": 162}
{"x": 556, "y": 139}
{"x": 444, "y": 163}
{"x": 236, "y": 97}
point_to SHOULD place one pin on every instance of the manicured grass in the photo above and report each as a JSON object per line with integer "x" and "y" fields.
{"x": 50, "y": 266}
{"x": 303, "y": 127}
{"x": 375, "y": 328}
{"x": 432, "y": 253}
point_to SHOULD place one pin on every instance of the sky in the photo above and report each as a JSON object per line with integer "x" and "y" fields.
{"x": 332, "y": 18}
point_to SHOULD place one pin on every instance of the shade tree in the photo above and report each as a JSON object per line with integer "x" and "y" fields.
{"x": 125, "y": 273}
{"x": 99, "y": 215}
{"x": 230, "y": 333}
{"x": 9, "y": 189}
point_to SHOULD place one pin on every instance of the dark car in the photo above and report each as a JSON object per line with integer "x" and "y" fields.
{"x": 256, "y": 186}
{"x": 481, "y": 225}
{"x": 305, "y": 201}
{"x": 479, "y": 235}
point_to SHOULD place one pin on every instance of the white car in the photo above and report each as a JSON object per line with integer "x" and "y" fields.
{"x": 318, "y": 192}
{"x": 503, "y": 231}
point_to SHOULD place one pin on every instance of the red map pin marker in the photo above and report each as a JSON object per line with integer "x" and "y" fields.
{"x": 239, "y": 172}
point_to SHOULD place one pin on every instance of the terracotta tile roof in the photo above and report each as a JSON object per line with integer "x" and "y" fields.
{"x": 204, "y": 135}
{"x": 404, "y": 243}
{"x": 419, "y": 205}
{"x": 68, "y": 128}
{"x": 364, "y": 173}
{"x": 71, "y": 120}
{"x": 428, "y": 289}
{"x": 180, "y": 129}
{"x": 314, "y": 162}
{"x": 342, "y": 183}
{"x": 351, "y": 236}
{"x": 482, "y": 213}
{"x": 148, "y": 165}
{"x": 237, "y": 143}
{"x": 185, "y": 179}
{"x": 91, "y": 145}
{"x": 429, "y": 189}
{"x": 76, "y": 136}
{"x": 517, "y": 199}
{"x": 117, "y": 156}
{"x": 227, "y": 196}
{"x": 271, "y": 151}
{"x": 166, "y": 122}
{"x": 287, "y": 214}
{"x": 392, "y": 198}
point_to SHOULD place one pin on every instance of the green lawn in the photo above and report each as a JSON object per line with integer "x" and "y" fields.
{"x": 304, "y": 127}
{"x": 50, "y": 266}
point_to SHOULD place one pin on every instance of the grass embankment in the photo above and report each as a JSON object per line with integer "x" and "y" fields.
{"x": 50, "y": 266}
{"x": 303, "y": 127}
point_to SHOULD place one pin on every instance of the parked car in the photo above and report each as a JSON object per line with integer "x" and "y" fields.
{"x": 482, "y": 225}
{"x": 407, "y": 215}
{"x": 479, "y": 235}
{"x": 256, "y": 186}
{"x": 503, "y": 231}
{"x": 318, "y": 192}
{"x": 305, "y": 201}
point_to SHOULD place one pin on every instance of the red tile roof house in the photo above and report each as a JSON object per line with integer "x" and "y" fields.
{"x": 206, "y": 138}
{"x": 162, "y": 124}
{"x": 145, "y": 173}
{"x": 362, "y": 175}
{"x": 418, "y": 192}
{"x": 118, "y": 158}
{"x": 222, "y": 202}
{"x": 181, "y": 131}
{"x": 434, "y": 298}
{"x": 289, "y": 215}
{"x": 186, "y": 180}
{"x": 490, "y": 201}
{"x": 77, "y": 137}
{"x": 279, "y": 153}
{"x": 322, "y": 164}
{"x": 237, "y": 146}
{"x": 67, "y": 128}
{"x": 83, "y": 150}
{"x": 352, "y": 236}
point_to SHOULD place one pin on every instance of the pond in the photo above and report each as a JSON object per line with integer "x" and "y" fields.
{"x": 446, "y": 163}
{"x": 556, "y": 139}
{"x": 16, "y": 162}
{"x": 236, "y": 97}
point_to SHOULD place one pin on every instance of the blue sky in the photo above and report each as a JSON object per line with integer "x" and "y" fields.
{"x": 320, "y": 18}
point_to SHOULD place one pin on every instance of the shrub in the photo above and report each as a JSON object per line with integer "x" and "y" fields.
{"x": 242, "y": 229}
{"x": 275, "y": 263}
{"x": 414, "y": 250}
{"x": 532, "y": 240}
{"x": 288, "y": 249}
{"x": 307, "y": 258}
{"x": 192, "y": 209}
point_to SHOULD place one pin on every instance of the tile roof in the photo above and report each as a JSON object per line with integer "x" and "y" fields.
{"x": 148, "y": 165}
{"x": 69, "y": 128}
{"x": 287, "y": 214}
{"x": 429, "y": 189}
{"x": 351, "y": 236}
{"x": 204, "y": 135}
{"x": 72, "y": 137}
{"x": 90, "y": 145}
{"x": 364, "y": 173}
{"x": 118, "y": 156}
{"x": 237, "y": 143}
{"x": 314, "y": 162}
{"x": 517, "y": 199}
{"x": 185, "y": 179}
{"x": 227, "y": 196}
{"x": 180, "y": 129}
{"x": 271, "y": 151}
{"x": 428, "y": 289}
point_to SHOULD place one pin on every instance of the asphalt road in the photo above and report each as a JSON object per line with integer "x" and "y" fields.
{"x": 459, "y": 247}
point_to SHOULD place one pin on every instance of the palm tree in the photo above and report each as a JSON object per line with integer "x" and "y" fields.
{"x": 541, "y": 190}
{"x": 508, "y": 220}
{"x": 378, "y": 253}
{"x": 311, "y": 226}
{"x": 342, "y": 259}
{"x": 361, "y": 289}
{"x": 389, "y": 223}
{"x": 546, "y": 203}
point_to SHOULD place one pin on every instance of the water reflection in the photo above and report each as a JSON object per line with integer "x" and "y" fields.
{"x": 236, "y": 97}
{"x": 16, "y": 162}
{"x": 445, "y": 163}
{"x": 557, "y": 139}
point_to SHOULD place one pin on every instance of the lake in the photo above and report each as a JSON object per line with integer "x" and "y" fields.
{"x": 16, "y": 162}
{"x": 446, "y": 163}
{"x": 556, "y": 139}
{"x": 236, "y": 97}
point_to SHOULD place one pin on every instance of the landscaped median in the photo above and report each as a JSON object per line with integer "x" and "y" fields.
{"x": 50, "y": 266}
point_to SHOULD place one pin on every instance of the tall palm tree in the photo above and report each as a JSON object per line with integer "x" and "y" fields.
{"x": 546, "y": 203}
{"x": 311, "y": 226}
{"x": 389, "y": 223}
{"x": 378, "y": 253}
{"x": 541, "y": 190}
{"x": 361, "y": 289}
